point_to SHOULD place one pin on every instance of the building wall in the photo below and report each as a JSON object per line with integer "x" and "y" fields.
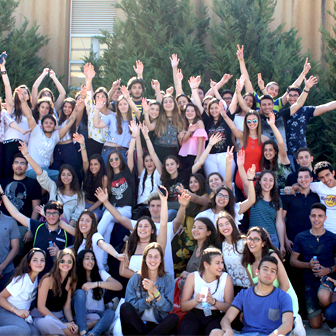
{"x": 53, "y": 16}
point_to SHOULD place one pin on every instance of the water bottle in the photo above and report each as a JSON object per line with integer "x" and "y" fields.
{"x": 315, "y": 259}
{"x": 51, "y": 244}
{"x": 206, "y": 308}
{"x": 283, "y": 193}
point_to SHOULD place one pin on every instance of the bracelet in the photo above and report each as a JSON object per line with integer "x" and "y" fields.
{"x": 157, "y": 294}
{"x": 71, "y": 321}
{"x": 330, "y": 269}
{"x": 306, "y": 90}
{"x": 3, "y": 72}
{"x": 215, "y": 302}
{"x": 12, "y": 309}
{"x": 147, "y": 139}
{"x": 133, "y": 137}
{"x": 117, "y": 255}
{"x": 250, "y": 180}
{"x": 25, "y": 156}
{"x": 2, "y": 194}
{"x": 262, "y": 89}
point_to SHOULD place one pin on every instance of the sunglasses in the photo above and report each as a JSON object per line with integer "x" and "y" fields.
{"x": 116, "y": 159}
{"x": 254, "y": 240}
{"x": 52, "y": 214}
{"x": 62, "y": 261}
{"x": 254, "y": 121}
{"x": 226, "y": 197}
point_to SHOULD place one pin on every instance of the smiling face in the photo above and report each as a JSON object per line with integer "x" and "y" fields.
{"x": 153, "y": 259}
{"x": 85, "y": 224}
{"x": 252, "y": 122}
{"x": 199, "y": 231}
{"x": 214, "y": 110}
{"x": 215, "y": 182}
{"x": 267, "y": 182}
{"x": 190, "y": 113}
{"x": 144, "y": 230}
{"x": 182, "y": 101}
{"x": 193, "y": 184}
{"x": 136, "y": 90}
{"x": 327, "y": 177}
{"x": 216, "y": 266}
{"x": 171, "y": 166}
{"x": 269, "y": 152}
{"x": 155, "y": 210}
{"x": 88, "y": 261}
{"x": 37, "y": 262}
{"x": 225, "y": 227}
{"x": 266, "y": 106}
{"x": 292, "y": 97}
{"x": 227, "y": 97}
{"x": 154, "y": 110}
{"x": 94, "y": 166}
{"x": 66, "y": 263}
{"x": 52, "y": 216}
{"x": 48, "y": 125}
{"x": 149, "y": 163}
{"x": 304, "y": 179}
{"x": 304, "y": 159}
{"x": 66, "y": 177}
{"x": 67, "y": 109}
{"x": 254, "y": 242}
{"x": 123, "y": 106}
{"x": 273, "y": 90}
{"x": 43, "y": 109}
{"x": 206, "y": 103}
{"x": 19, "y": 166}
{"x": 222, "y": 198}
{"x": 114, "y": 161}
{"x": 249, "y": 101}
{"x": 317, "y": 218}
{"x": 168, "y": 104}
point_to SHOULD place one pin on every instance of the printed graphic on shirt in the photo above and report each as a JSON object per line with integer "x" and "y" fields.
{"x": 329, "y": 201}
{"x": 17, "y": 194}
{"x": 118, "y": 187}
{"x": 220, "y": 129}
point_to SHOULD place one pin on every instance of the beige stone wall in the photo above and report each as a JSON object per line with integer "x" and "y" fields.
{"x": 53, "y": 17}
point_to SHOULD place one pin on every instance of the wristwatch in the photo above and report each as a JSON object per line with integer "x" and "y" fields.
{"x": 331, "y": 270}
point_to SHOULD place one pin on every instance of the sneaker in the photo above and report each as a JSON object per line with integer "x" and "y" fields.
{"x": 299, "y": 329}
{"x": 333, "y": 330}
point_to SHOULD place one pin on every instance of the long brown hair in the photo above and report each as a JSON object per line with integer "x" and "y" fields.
{"x": 198, "y": 116}
{"x": 235, "y": 236}
{"x": 246, "y": 132}
{"x": 62, "y": 116}
{"x": 55, "y": 273}
{"x": 18, "y": 113}
{"x": 36, "y": 113}
{"x": 144, "y": 268}
{"x": 119, "y": 117}
{"x": 162, "y": 119}
{"x": 79, "y": 235}
{"x": 74, "y": 185}
{"x": 110, "y": 171}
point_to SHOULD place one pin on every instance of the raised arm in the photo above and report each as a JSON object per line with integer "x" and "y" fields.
{"x": 135, "y": 134}
{"x": 131, "y": 103}
{"x": 243, "y": 69}
{"x": 60, "y": 89}
{"x": 214, "y": 139}
{"x": 219, "y": 85}
{"x": 8, "y": 89}
{"x": 97, "y": 122}
{"x": 37, "y": 83}
{"x": 281, "y": 144}
{"x": 194, "y": 83}
{"x": 145, "y": 107}
{"x": 183, "y": 199}
{"x": 25, "y": 108}
{"x": 325, "y": 108}
{"x": 302, "y": 99}
{"x": 228, "y": 169}
{"x": 236, "y": 132}
{"x": 13, "y": 211}
{"x": 162, "y": 235}
{"x": 138, "y": 68}
{"x": 248, "y": 178}
{"x": 115, "y": 86}
{"x": 138, "y": 147}
{"x": 156, "y": 87}
{"x": 89, "y": 75}
{"x": 177, "y": 74}
{"x": 81, "y": 140}
{"x": 151, "y": 149}
{"x": 102, "y": 196}
{"x": 261, "y": 84}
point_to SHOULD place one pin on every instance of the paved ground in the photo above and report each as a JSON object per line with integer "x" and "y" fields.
{"x": 317, "y": 332}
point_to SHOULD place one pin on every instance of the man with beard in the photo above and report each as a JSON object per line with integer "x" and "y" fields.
{"x": 267, "y": 310}
{"x": 43, "y": 140}
{"x": 25, "y": 194}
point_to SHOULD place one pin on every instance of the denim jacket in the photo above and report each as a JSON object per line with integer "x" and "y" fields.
{"x": 136, "y": 295}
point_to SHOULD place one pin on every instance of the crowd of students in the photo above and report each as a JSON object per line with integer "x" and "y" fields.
{"x": 199, "y": 214}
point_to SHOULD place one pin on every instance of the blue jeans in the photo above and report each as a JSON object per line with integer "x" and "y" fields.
{"x": 330, "y": 315}
{"x": 98, "y": 211}
{"x": 292, "y": 162}
{"x": 53, "y": 174}
{"x": 79, "y": 303}
{"x": 11, "y": 324}
{"x": 275, "y": 240}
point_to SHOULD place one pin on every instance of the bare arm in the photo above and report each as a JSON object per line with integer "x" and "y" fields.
{"x": 324, "y": 108}
{"x": 68, "y": 228}
{"x": 295, "y": 262}
{"x": 187, "y": 302}
{"x": 35, "y": 203}
{"x": 71, "y": 120}
{"x": 37, "y": 83}
{"x": 114, "y": 88}
{"x": 60, "y": 89}
{"x": 243, "y": 69}
{"x": 139, "y": 151}
{"x": 194, "y": 93}
{"x": 282, "y": 274}
{"x": 131, "y": 103}
{"x": 135, "y": 134}
{"x": 43, "y": 289}
{"x": 124, "y": 270}
{"x": 223, "y": 81}
{"x": 280, "y": 227}
{"x": 228, "y": 318}
{"x": 162, "y": 235}
{"x": 251, "y": 196}
{"x": 8, "y": 89}
{"x": 286, "y": 326}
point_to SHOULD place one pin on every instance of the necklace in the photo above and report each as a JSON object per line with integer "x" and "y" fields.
{"x": 317, "y": 236}
{"x": 144, "y": 242}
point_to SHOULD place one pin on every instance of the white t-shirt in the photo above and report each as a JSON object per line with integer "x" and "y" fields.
{"x": 11, "y": 133}
{"x": 328, "y": 198}
{"x": 148, "y": 185}
{"x": 40, "y": 147}
{"x": 22, "y": 292}
{"x": 168, "y": 258}
{"x": 92, "y": 304}
{"x": 213, "y": 217}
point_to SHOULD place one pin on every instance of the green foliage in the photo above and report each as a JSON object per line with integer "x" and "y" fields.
{"x": 23, "y": 45}
{"x": 152, "y": 31}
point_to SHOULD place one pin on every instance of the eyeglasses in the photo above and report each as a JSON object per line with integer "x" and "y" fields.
{"x": 20, "y": 163}
{"x": 52, "y": 214}
{"x": 227, "y": 99}
{"x": 293, "y": 96}
{"x": 116, "y": 159}
{"x": 254, "y": 121}
{"x": 254, "y": 240}
{"x": 62, "y": 261}
{"x": 226, "y": 197}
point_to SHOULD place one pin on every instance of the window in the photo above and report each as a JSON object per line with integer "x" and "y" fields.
{"x": 88, "y": 18}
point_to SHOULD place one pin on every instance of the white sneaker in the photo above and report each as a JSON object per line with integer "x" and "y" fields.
{"x": 333, "y": 330}
{"x": 299, "y": 329}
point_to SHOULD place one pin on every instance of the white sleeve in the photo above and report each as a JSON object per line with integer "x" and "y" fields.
{"x": 15, "y": 288}
{"x": 314, "y": 186}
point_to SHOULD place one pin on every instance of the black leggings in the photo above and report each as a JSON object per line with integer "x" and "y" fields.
{"x": 132, "y": 323}
{"x": 196, "y": 323}
{"x": 9, "y": 150}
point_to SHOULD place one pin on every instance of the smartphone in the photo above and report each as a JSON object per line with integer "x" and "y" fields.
{"x": 162, "y": 191}
{"x": 329, "y": 283}
{"x": 2, "y": 57}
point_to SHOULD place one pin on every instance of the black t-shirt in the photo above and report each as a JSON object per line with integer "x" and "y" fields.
{"x": 307, "y": 245}
{"x": 220, "y": 127}
{"x": 122, "y": 189}
{"x": 298, "y": 211}
{"x": 182, "y": 178}
{"x": 293, "y": 178}
{"x": 42, "y": 235}
{"x": 21, "y": 193}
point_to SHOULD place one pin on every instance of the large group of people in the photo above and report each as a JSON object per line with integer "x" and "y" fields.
{"x": 184, "y": 215}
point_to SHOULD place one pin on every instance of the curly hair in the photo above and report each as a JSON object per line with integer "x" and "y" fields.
{"x": 79, "y": 235}
{"x": 230, "y": 208}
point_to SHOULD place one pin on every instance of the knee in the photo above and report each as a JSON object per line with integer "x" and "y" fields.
{"x": 316, "y": 322}
{"x": 79, "y": 294}
{"x": 217, "y": 332}
{"x": 324, "y": 297}
{"x": 109, "y": 314}
{"x": 125, "y": 308}
{"x": 174, "y": 320}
